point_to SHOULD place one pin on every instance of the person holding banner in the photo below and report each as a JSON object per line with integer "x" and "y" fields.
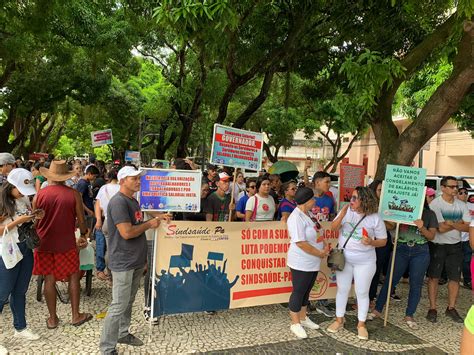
{"x": 383, "y": 254}
{"x": 361, "y": 230}
{"x": 413, "y": 254}
{"x": 251, "y": 185}
{"x": 127, "y": 258}
{"x": 218, "y": 206}
{"x": 307, "y": 248}
{"x": 261, "y": 206}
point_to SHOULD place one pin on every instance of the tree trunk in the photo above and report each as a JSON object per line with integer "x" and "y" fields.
{"x": 258, "y": 101}
{"x": 272, "y": 157}
{"x": 186, "y": 130}
{"x": 6, "y": 128}
{"x": 401, "y": 148}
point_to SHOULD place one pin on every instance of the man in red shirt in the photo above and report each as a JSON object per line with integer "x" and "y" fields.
{"x": 57, "y": 257}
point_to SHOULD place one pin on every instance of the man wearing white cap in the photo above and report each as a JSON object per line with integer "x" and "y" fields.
{"x": 7, "y": 163}
{"x": 218, "y": 204}
{"x": 127, "y": 248}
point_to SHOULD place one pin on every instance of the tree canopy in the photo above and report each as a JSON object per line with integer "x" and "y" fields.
{"x": 161, "y": 73}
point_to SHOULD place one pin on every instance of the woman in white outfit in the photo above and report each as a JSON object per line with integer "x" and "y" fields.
{"x": 361, "y": 224}
{"x": 307, "y": 248}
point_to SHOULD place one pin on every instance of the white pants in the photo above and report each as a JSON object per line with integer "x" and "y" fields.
{"x": 363, "y": 275}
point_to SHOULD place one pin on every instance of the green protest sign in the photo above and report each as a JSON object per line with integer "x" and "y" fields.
{"x": 403, "y": 194}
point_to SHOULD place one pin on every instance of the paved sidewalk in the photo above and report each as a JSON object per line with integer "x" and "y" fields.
{"x": 249, "y": 330}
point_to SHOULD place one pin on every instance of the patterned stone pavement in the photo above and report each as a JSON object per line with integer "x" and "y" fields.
{"x": 249, "y": 330}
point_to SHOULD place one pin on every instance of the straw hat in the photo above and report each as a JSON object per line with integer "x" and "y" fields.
{"x": 58, "y": 171}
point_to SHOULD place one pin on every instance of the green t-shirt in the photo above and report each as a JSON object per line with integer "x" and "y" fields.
{"x": 41, "y": 178}
{"x": 469, "y": 321}
{"x": 408, "y": 233}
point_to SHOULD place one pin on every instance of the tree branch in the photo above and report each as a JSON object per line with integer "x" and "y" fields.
{"x": 7, "y": 73}
{"x": 268, "y": 152}
{"x": 255, "y": 104}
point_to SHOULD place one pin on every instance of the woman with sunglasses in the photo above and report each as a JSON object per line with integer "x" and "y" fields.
{"x": 412, "y": 254}
{"x": 383, "y": 254}
{"x": 16, "y": 208}
{"x": 360, "y": 225}
{"x": 287, "y": 204}
{"x": 251, "y": 186}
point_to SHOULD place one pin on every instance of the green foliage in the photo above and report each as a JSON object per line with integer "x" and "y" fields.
{"x": 65, "y": 148}
{"x": 280, "y": 125}
{"x": 465, "y": 9}
{"x": 416, "y": 92}
{"x": 103, "y": 153}
{"x": 368, "y": 74}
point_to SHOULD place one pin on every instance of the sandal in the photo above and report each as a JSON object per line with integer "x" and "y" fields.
{"x": 102, "y": 276}
{"x": 335, "y": 326}
{"x": 87, "y": 317}
{"x": 50, "y": 327}
{"x": 374, "y": 314}
{"x": 411, "y": 323}
{"x": 362, "y": 333}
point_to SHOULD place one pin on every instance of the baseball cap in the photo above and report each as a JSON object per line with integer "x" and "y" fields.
{"x": 430, "y": 192}
{"x": 129, "y": 171}
{"x": 23, "y": 180}
{"x": 224, "y": 176}
{"x": 6, "y": 158}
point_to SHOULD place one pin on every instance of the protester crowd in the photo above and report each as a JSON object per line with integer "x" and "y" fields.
{"x": 72, "y": 203}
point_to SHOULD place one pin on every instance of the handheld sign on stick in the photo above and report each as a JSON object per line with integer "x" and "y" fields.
{"x": 401, "y": 202}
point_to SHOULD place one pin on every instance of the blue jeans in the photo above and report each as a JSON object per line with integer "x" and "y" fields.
{"x": 417, "y": 259}
{"x": 14, "y": 284}
{"x": 382, "y": 253}
{"x": 100, "y": 250}
{"x": 466, "y": 262}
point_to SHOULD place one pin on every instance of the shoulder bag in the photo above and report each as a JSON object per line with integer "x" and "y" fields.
{"x": 254, "y": 213}
{"x": 336, "y": 259}
{"x": 27, "y": 233}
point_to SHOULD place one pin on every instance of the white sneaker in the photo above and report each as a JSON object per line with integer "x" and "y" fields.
{"x": 3, "y": 350}
{"x": 308, "y": 323}
{"x": 298, "y": 330}
{"x": 26, "y": 334}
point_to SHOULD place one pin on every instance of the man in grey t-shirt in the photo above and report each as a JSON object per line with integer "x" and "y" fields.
{"x": 127, "y": 250}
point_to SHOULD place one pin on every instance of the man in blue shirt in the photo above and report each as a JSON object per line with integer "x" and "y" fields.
{"x": 324, "y": 210}
{"x": 84, "y": 186}
{"x": 251, "y": 186}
